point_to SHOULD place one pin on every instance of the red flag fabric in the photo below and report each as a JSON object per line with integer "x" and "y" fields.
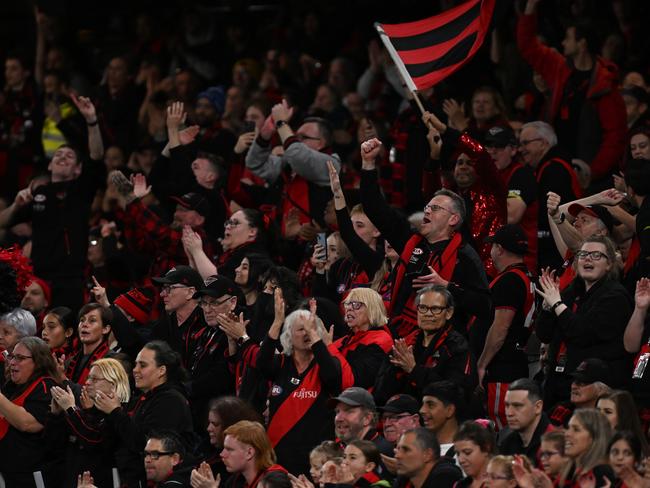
{"x": 431, "y": 49}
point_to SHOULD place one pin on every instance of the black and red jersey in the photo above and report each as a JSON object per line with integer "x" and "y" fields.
{"x": 513, "y": 289}
{"x": 299, "y": 417}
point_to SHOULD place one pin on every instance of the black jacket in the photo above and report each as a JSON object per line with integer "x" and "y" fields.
{"x": 447, "y": 357}
{"x": 163, "y": 408}
{"x": 592, "y": 326}
{"x": 443, "y": 475}
{"x": 510, "y": 442}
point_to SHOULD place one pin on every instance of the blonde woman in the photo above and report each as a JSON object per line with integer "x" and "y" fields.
{"x": 368, "y": 342}
{"x": 91, "y": 445}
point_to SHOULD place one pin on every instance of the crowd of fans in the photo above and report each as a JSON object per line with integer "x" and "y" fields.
{"x": 248, "y": 259}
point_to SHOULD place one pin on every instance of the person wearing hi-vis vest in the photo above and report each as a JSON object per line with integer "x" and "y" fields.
{"x": 436, "y": 255}
{"x": 24, "y": 408}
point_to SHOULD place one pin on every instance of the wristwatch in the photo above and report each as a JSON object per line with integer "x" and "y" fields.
{"x": 242, "y": 340}
{"x": 280, "y": 123}
{"x": 561, "y": 220}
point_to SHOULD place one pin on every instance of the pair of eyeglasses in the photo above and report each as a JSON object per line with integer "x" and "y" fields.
{"x": 213, "y": 303}
{"x": 594, "y": 255}
{"x": 525, "y": 142}
{"x": 433, "y": 309}
{"x": 94, "y": 379}
{"x": 231, "y": 223}
{"x": 17, "y": 357}
{"x": 435, "y": 208}
{"x": 303, "y": 137}
{"x": 169, "y": 288}
{"x": 354, "y": 305}
{"x": 155, "y": 455}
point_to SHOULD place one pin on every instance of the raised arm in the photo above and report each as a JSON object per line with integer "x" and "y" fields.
{"x": 635, "y": 327}
{"x": 545, "y": 60}
{"x": 393, "y": 226}
{"x": 87, "y": 110}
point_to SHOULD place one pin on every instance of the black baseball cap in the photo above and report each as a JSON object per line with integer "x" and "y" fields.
{"x": 354, "y": 396}
{"x": 401, "y": 404}
{"x": 592, "y": 370}
{"x": 217, "y": 286}
{"x": 597, "y": 211}
{"x": 511, "y": 237}
{"x": 500, "y": 136}
{"x": 194, "y": 201}
{"x": 180, "y": 275}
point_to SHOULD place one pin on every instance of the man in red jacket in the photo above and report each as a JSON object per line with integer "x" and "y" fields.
{"x": 586, "y": 108}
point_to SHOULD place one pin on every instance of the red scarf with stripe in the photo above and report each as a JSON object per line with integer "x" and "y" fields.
{"x": 444, "y": 264}
{"x": 294, "y": 408}
{"x": 20, "y": 401}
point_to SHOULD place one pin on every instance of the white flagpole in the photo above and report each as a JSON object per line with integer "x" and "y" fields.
{"x": 401, "y": 68}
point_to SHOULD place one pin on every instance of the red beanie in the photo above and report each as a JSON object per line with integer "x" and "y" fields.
{"x": 47, "y": 291}
{"x": 138, "y": 303}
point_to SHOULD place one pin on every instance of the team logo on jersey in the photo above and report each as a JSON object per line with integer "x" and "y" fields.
{"x": 303, "y": 394}
{"x": 295, "y": 381}
{"x": 341, "y": 288}
{"x": 40, "y": 198}
{"x": 276, "y": 390}
{"x": 417, "y": 251}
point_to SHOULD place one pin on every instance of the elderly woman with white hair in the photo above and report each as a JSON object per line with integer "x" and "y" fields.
{"x": 14, "y": 326}
{"x": 307, "y": 373}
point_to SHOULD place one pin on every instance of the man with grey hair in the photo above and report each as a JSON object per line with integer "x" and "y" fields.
{"x": 436, "y": 255}
{"x": 554, "y": 173}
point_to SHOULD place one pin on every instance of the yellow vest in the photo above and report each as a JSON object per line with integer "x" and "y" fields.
{"x": 51, "y": 137}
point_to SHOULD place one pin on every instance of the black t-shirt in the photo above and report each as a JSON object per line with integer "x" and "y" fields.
{"x": 523, "y": 185}
{"x": 510, "y": 292}
{"x": 23, "y": 452}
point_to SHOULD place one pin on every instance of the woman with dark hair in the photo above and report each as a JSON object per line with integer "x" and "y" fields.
{"x": 625, "y": 454}
{"x": 224, "y": 412}
{"x": 475, "y": 445}
{"x": 622, "y": 413}
{"x": 161, "y": 405}
{"x": 60, "y": 330}
{"x": 24, "y": 407}
{"x": 585, "y": 320}
{"x": 94, "y": 329}
{"x": 248, "y": 273}
{"x": 247, "y": 231}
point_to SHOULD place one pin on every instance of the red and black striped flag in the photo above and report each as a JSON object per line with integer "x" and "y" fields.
{"x": 429, "y": 50}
